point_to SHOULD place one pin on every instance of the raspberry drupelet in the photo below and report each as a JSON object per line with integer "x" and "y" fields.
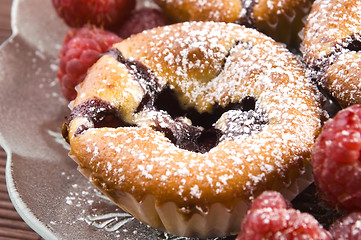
{"x": 107, "y": 14}
{"x": 143, "y": 19}
{"x": 80, "y": 50}
{"x": 336, "y": 159}
{"x": 348, "y": 227}
{"x": 272, "y": 218}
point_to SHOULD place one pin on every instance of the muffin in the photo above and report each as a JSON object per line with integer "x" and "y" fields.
{"x": 331, "y": 48}
{"x": 183, "y": 125}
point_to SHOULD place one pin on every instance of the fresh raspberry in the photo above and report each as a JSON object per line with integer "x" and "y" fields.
{"x": 80, "y": 50}
{"x": 107, "y": 14}
{"x": 348, "y": 227}
{"x": 143, "y": 19}
{"x": 271, "y": 218}
{"x": 336, "y": 159}
{"x": 270, "y": 199}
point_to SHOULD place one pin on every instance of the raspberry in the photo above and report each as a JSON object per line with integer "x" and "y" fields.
{"x": 348, "y": 227}
{"x": 270, "y": 199}
{"x": 271, "y": 217}
{"x": 101, "y": 13}
{"x": 80, "y": 50}
{"x": 336, "y": 159}
{"x": 140, "y": 20}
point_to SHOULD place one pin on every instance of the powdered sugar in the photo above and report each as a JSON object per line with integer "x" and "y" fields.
{"x": 329, "y": 23}
{"x": 207, "y": 64}
{"x": 331, "y": 45}
{"x": 223, "y": 68}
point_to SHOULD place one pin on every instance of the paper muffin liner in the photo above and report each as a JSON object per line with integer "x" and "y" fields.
{"x": 218, "y": 221}
{"x": 286, "y": 27}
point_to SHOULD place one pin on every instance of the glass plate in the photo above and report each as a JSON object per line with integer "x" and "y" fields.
{"x": 43, "y": 182}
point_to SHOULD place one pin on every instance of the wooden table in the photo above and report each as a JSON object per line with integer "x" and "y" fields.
{"x": 11, "y": 224}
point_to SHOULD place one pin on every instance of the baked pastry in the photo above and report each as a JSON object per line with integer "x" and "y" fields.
{"x": 280, "y": 19}
{"x": 331, "y": 47}
{"x": 190, "y": 10}
{"x": 183, "y": 125}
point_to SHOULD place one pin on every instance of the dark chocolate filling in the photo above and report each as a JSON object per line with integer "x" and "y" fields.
{"x": 99, "y": 114}
{"x": 199, "y": 136}
{"x": 168, "y": 101}
{"x": 353, "y": 43}
{"x": 142, "y": 74}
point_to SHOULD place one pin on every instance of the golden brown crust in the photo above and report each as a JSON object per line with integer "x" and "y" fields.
{"x": 267, "y": 10}
{"x": 190, "y": 10}
{"x": 330, "y": 45}
{"x": 329, "y": 23}
{"x": 206, "y": 64}
{"x": 280, "y": 19}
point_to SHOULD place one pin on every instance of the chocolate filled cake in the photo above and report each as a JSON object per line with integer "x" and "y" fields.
{"x": 183, "y": 125}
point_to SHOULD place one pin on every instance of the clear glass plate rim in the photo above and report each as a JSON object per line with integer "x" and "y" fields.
{"x": 20, "y": 206}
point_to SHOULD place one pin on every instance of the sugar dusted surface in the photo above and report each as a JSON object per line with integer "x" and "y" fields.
{"x": 229, "y": 63}
{"x": 329, "y": 22}
{"x": 236, "y": 122}
{"x": 331, "y": 25}
{"x": 343, "y": 78}
{"x": 270, "y": 10}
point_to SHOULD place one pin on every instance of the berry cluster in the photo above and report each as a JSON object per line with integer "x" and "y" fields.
{"x": 271, "y": 217}
{"x": 107, "y": 14}
{"x": 336, "y": 159}
{"x": 95, "y": 26}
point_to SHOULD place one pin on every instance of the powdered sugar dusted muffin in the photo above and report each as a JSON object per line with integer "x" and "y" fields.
{"x": 332, "y": 45}
{"x": 280, "y": 19}
{"x": 183, "y": 125}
